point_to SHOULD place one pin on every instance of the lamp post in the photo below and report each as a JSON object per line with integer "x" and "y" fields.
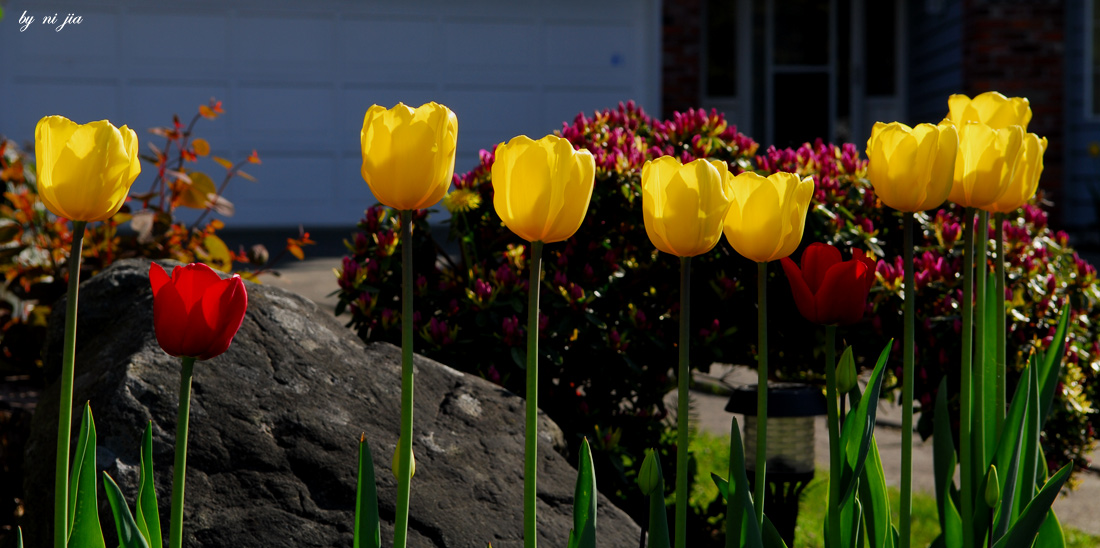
{"x": 790, "y": 445}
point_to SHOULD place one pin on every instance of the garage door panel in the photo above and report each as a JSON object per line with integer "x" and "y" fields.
{"x": 296, "y": 79}
{"x": 351, "y": 189}
{"x": 608, "y": 47}
{"x": 168, "y": 39}
{"x": 273, "y": 114}
{"x": 282, "y": 41}
{"x": 311, "y": 177}
{"x": 495, "y": 43}
{"x": 369, "y": 43}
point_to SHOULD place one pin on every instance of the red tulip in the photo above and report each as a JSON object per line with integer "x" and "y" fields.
{"x": 195, "y": 312}
{"x": 829, "y": 291}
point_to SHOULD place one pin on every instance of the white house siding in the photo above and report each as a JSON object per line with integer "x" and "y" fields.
{"x": 296, "y": 78}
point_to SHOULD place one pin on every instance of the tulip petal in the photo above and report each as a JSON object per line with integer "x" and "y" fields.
{"x": 817, "y": 259}
{"x": 223, "y": 306}
{"x": 169, "y": 319}
{"x": 158, "y": 278}
{"x": 191, "y": 281}
{"x": 839, "y": 297}
{"x": 803, "y": 296}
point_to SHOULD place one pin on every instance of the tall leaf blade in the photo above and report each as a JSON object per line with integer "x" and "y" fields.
{"x": 129, "y": 536}
{"x": 1028, "y": 481}
{"x": 943, "y": 453}
{"x": 860, "y": 424}
{"x": 1051, "y": 366}
{"x": 1050, "y": 533}
{"x": 658, "y": 515}
{"x": 148, "y": 514}
{"x": 771, "y": 536}
{"x": 1007, "y": 456}
{"x": 1022, "y": 533}
{"x": 366, "y": 532}
{"x": 876, "y": 508}
{"x": 583, "y": 534}
{"x": 85, "y": 531}
{"x": 875, "y": 498}
{"x": 742, "y": 530}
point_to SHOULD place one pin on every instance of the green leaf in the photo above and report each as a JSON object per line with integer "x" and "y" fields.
{"x": 1050, "y": 533}
{"x": 1051, "y": 369}
{"x": 583, "y": 534}
{"x": 658, "y": 516}
{"x": 84, "y": 528}
{"x": 943, "y": 462}
{"x": 1028, "y": 481}
{"x": 18, "y": 537}
{"x": 366, "y": 532}
{"x": 1007, "y": 456}
{"x": 148, "y": 514}
{"x": 1022, "y": 533}
{"x": 872, "y": 490}
{"x": 742, "y": 530}
{"x": 859, "y": 425}
{"x": 771, "y": 536}
{"x": 129, "y": 536}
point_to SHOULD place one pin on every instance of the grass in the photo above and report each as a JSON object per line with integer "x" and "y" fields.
{"x": 712, "y": 454}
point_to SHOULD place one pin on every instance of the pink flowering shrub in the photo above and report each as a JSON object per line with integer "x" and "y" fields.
{"x": 610, "y": 302}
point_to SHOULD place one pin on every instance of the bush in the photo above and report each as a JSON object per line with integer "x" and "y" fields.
{"x": 610, "y": 302}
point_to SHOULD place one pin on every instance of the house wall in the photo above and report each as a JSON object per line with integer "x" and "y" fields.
{"x": 1019, "y": 49}
{"x": 297, "y": 77}
{"x": 1082, "y": 131}
{"x": 935, "y": 58}
{"x": 681, "y": 55}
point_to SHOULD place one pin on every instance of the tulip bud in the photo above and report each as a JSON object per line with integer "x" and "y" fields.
{"x": 992, "y": 487}
{"x": 649, "y": 477}
{"x": 396, "y": 466}
{"x": 846, "y": 375}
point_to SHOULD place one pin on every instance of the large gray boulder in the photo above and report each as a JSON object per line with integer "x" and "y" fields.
{"x": 274, "y": 428}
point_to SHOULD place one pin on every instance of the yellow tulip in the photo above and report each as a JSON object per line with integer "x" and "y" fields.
{"x": 990, "y": 108}
{"x": 985, "y": 164}
{"x": 409, "y": 154}
{"x": 768, "y": 215}
{"x": 1025, "y": 179}
{"x": 541, "y": 189}
{"x": 683, "y": 205}
{"x": 84, "y": 170}
{"x": 912, "y": 169}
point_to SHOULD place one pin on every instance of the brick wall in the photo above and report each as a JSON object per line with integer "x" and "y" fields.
{"x": 1017, "y": 48}
{"x": 681, "y": 35}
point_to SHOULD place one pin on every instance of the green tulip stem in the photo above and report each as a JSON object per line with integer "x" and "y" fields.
{"x": 761, "y": 390}
{"x": 978, "y": 411}
{"x": 999, "y": 295}
{"x": 683, "y": 379}
{"x": 907, "y": 386}
{"x": 65, "y": 413}
{"x": 965, "y": 442}
{"x": 834, "y": 436}
{"x": 531, "y": 435}
{"x": 404, "y": 443}
{"x": 179, "y": 472}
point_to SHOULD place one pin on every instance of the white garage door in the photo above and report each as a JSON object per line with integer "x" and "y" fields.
{"x": 296, "y": 78}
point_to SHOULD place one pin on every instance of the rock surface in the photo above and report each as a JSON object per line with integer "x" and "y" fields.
{"x": 274, "y": 428}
